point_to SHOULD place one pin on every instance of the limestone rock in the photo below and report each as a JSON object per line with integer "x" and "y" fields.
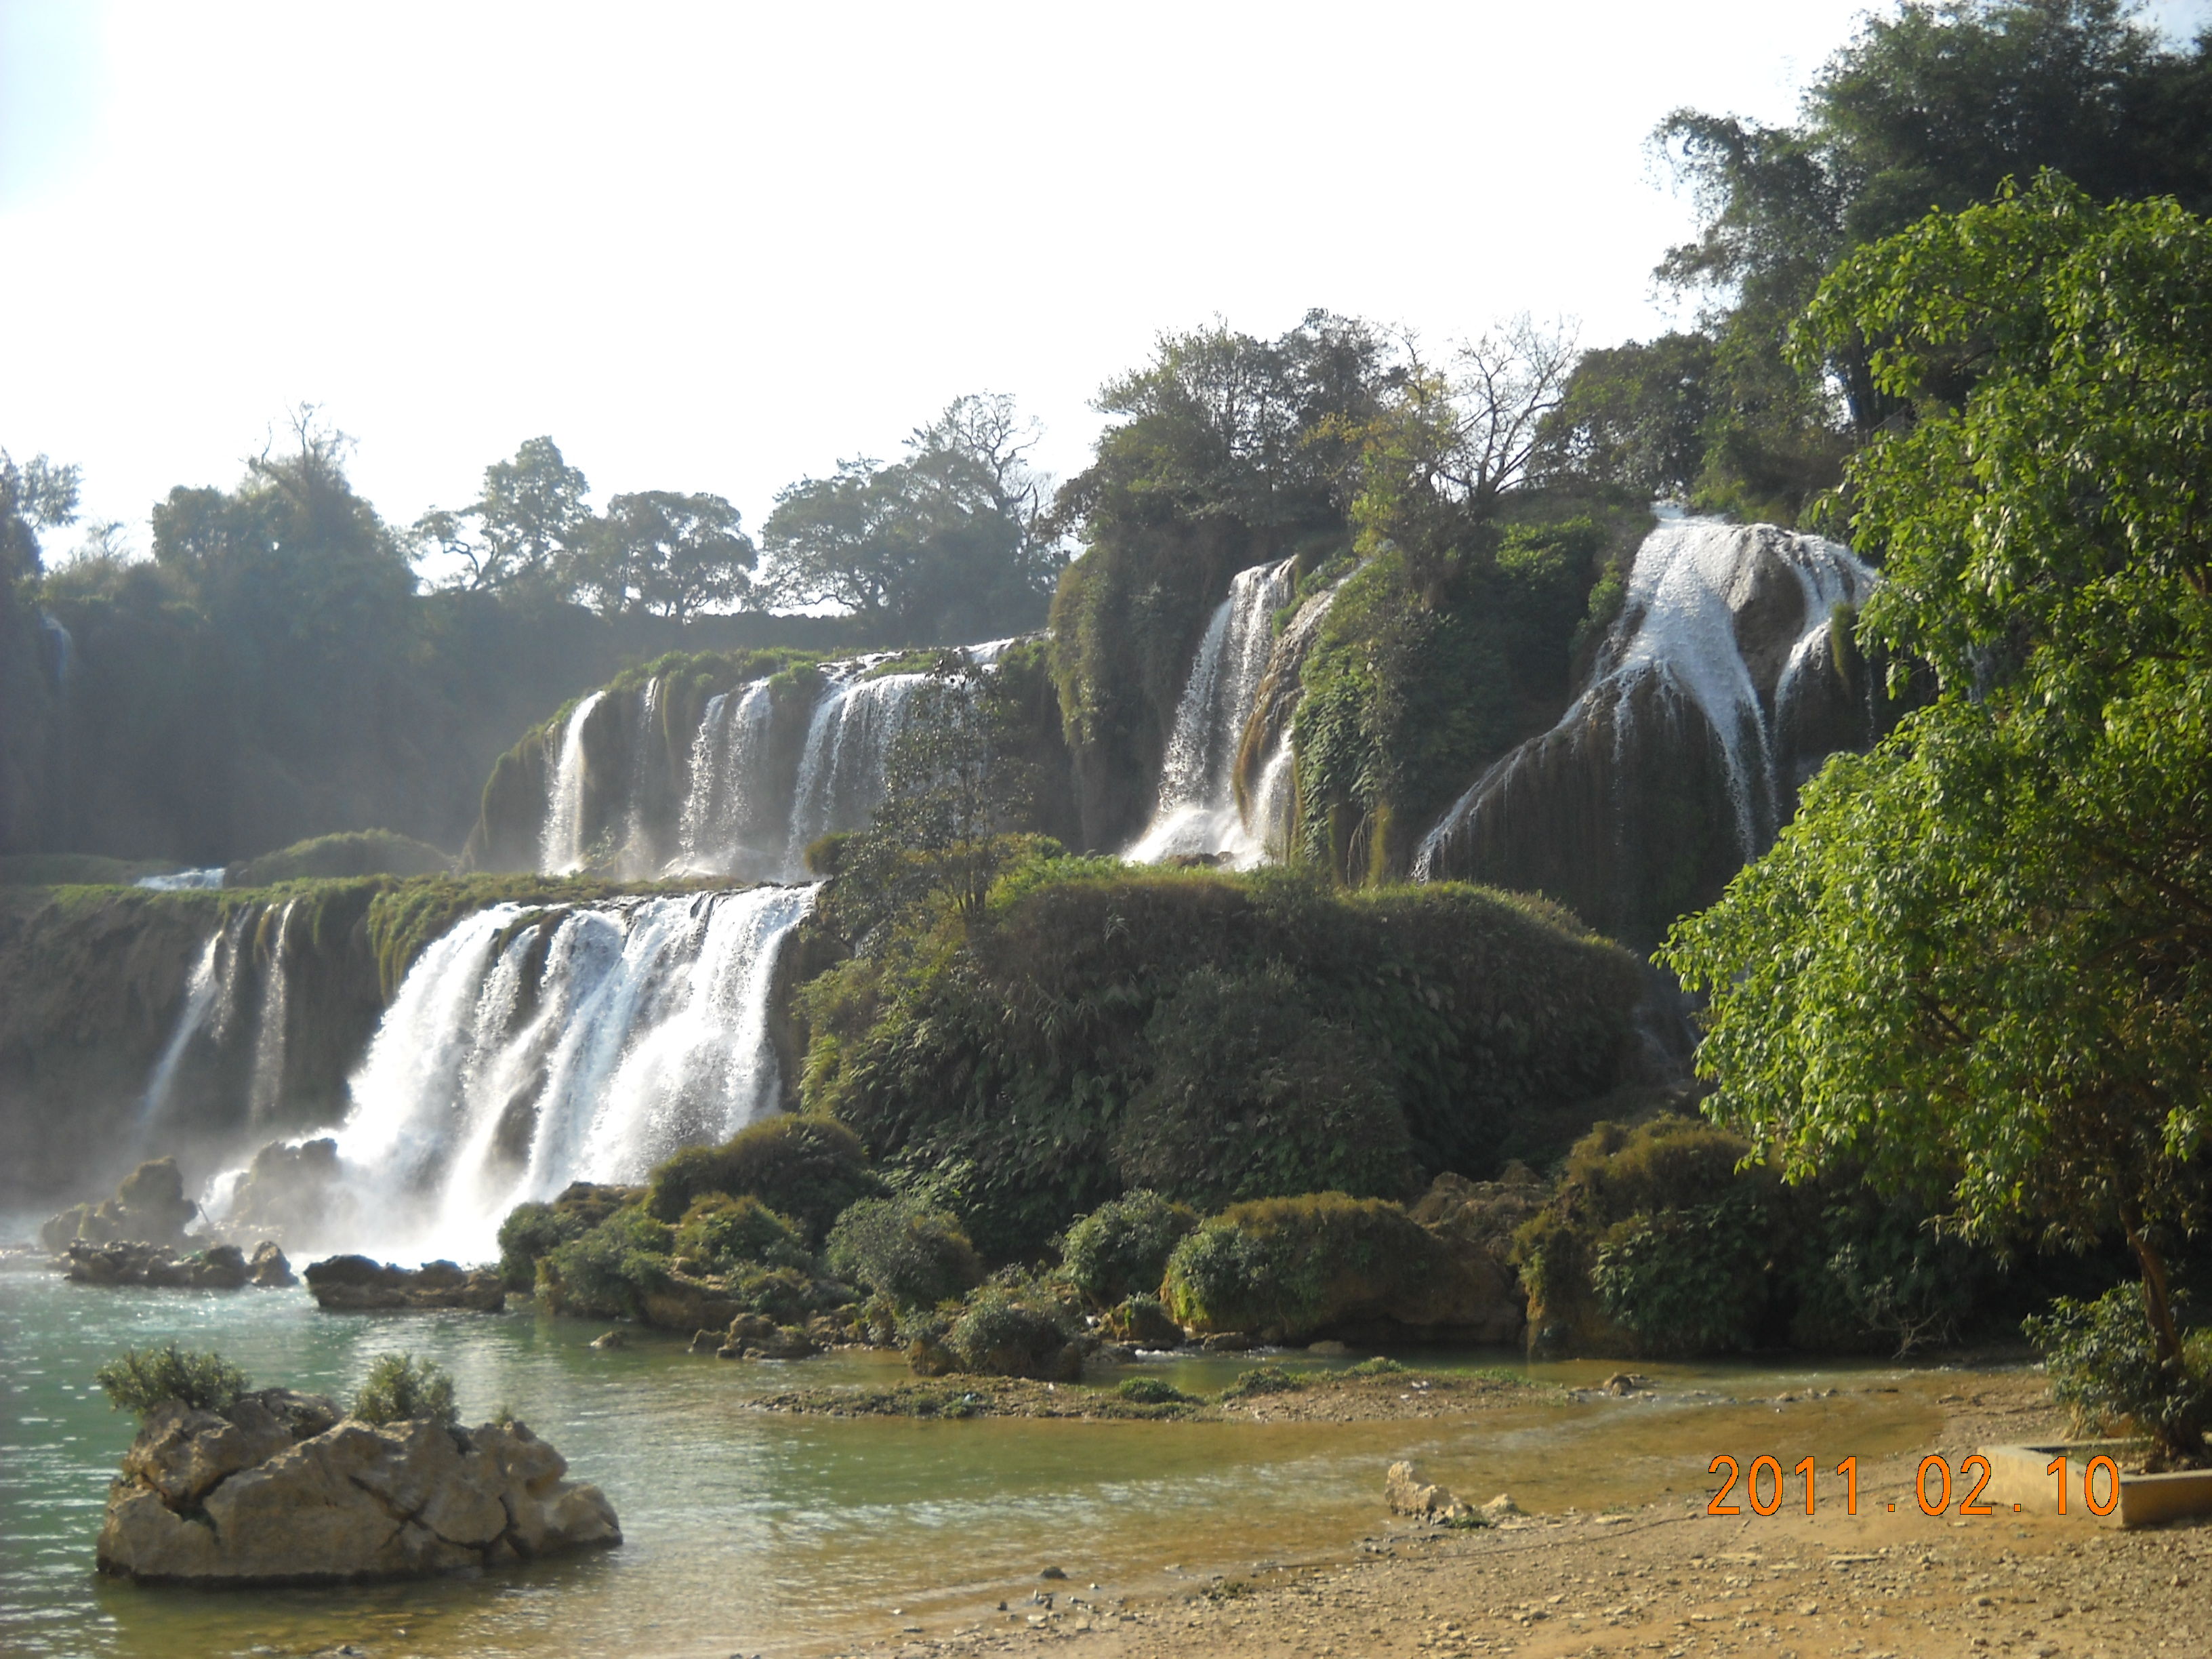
{"x": 1500, "y": 1507}
{"x": 278, "y": 1490}
{"x": 293, "y": 1193}
{"x": 1406, "y": 1494}
{"x": 354, "y": 1283}
{"x": 218, "y": 1267}
{"x": 149, "y": 1207}
{"x": 270, "y": 1269}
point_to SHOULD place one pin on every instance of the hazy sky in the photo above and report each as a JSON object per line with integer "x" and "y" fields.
{"x": 717, "y": 247}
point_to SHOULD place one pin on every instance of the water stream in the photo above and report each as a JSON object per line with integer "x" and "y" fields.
{"x": 561, "y": 849}
{"x": 748, "y": 1529}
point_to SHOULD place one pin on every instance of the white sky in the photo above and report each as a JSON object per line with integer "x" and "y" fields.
{"x": 717, "y": 247}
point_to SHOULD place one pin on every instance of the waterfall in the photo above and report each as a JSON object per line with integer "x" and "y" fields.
{"x": 202, "y": 990}
{"x": 561, "y": 849}
{"x": 638, "y": 856}
{"x": 841, "y": 771}
{"x": 177, "y": 881}
{"x": 1712, "y": 651}
{"x": 527, "y": 1050}
{"x": 731, "y": 811}
{"x": 1197, "y": 812}
{"x": 266, "y": 1089}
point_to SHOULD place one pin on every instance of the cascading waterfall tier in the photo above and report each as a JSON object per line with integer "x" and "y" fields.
{"x": 560, "y": 850}
{"x": 1718, "y": 692}
{"x": 1197, "y": 812}
{"x": 525, "y": 1049}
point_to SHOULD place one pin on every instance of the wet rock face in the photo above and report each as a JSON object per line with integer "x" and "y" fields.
{"x": 218, "y": 1267}
{"x": 149, "y": 1207}
{"x": 279, "y": 1489}
{"x": 354, "y": 1283}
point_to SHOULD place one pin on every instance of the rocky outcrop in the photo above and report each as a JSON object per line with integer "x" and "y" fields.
{"x": 279, "y": 1489}
{"x": 149, "y": 1207}
{"x": 218, "y": 1267}
{"x": 1406, "y": 1493}
{"x": 291, "y": 1192}
{"x": 354, "y": 1283}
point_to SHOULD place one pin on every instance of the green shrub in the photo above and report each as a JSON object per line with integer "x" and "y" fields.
{"x": 1253, "y": 1093}
{"x": 1262, "y": 1379}
{"x": 605, "y": 1273}
{"x": 531, "y": 1229}
{"x": 1150, "y": 1391}
{"x": 1003, "y": 1332}
{"x": 808, "y": 1169}
{"x": 1378, "y": 1366}
{"x": 1288, "y": 1267}
{"x": 722, "y": 1233}
{"x": 913, "y": 1254}
{"x": 400, "y": 1388}
{"x": 1121, "y": 1249}
{"x": 1688, "y": 1281}
{"x": 2105, "y": 1367}
{"x": 140, "y": 1379}
{"x": 1144, "y": 1320}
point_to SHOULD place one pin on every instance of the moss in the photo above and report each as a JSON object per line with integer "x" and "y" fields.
{"x": 1121, "y": 1249}
{"x": 75, "y": 869}
{"x": 1004, "y": 1056}
{"x": 1288, "y": 1267}
{"x": 356, "y": 853}
{"x": 808, "y": 1169}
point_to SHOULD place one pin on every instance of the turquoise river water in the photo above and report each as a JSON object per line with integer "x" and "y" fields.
{"x": 749, "y": 1531}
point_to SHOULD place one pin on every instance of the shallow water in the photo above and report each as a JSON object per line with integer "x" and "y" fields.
{"x": 749, "y": 1531}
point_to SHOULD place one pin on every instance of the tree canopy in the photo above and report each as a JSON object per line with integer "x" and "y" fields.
{"x": 948, "y": 543}
{"x": 1979, "y": 963}
{"x": 34, "y": 495}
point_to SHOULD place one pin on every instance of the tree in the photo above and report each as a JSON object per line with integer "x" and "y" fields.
{"x": 1933, "y": 108}
{"x": 1980, "y": 961}
{"x": 528, "y": 518}
{"x": 950, "y": 541}
{"x": 665, "y": 554}
{"x": 1631, "y": 417}
{"x": 34, "y": 495}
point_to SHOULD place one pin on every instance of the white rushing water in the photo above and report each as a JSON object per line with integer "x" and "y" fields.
{"x": 560, "y": 850}
{"x": 733, "y": 822}
{"x": 265, "y": 1092}
{"x": 178, "y": 881}
{"x": 1679, "y": 629}
{"x": 1197, "y": 811}
{"x": 841, "y": 771}
{"x": 525, "y": 1051}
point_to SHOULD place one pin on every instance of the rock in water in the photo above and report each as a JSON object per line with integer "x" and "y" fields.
{"x": 149, "y": 1207}
{"x": 278, "y": 1489}
{"x": 218, "y": 1267}
{"x": 1406, "y": 1494}
{"x": 354, "y": 1283}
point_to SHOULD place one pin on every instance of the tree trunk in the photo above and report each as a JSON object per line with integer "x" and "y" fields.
{"x": 2157, "y": 1304}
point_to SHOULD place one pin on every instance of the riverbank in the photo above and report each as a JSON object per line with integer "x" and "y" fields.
{"x": 1669, "y": 1578}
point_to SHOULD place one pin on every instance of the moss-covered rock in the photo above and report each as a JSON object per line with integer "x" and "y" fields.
{"x": 354, "y": 853}
{"x": 810, "y": 1169}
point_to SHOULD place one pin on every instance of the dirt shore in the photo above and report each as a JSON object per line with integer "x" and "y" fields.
{"x": 1669, "y": 1579}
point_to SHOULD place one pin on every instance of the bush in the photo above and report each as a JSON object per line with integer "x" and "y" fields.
{"x": 1150, "y": 1391}
{"x": 1688, "y": 1281}
{"x": 1262, "y": 1379}
{"x": 1255, "y": 1094}
{"x": 915, "y": 1256}
{"x": 604, "y": 1273}
{"x": 140, "y": 1379}
{"x": 1378, "y": 1366}
{"x": 1286, "y": 1267}
{"x": 2105, "y": 1367}
{"x": 722, "y": 1234}
{"x": 808, "y": 1169}
{"x": 400, "y": 1389}
{"x": 1121, "y": 1249}
{"x": 1003, "y": 1332}
{"x": 533, "y": 1230}
{"x": 1145, "y": 1320}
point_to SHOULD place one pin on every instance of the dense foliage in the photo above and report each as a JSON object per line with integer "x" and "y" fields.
{"x": 137, "y": 1380}
{"x": 1977, "y": 963}
{"x": 400, "y": 1389}
{"x": 906, "y": 1250}
{"x": 1036, "y": 1059}
{"x": 808, "y": 1169}
{"x": 2105, "y": 1368}
{"x": 1282, "y": 1268}
{"x": 1121, "y": 1249}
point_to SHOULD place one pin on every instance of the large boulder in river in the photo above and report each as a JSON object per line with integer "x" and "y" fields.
{"x": 150, "y": 1207}
{"x": 279, "y": 1489}
{"x": 354, "y": 1283}
{"x": 218, "y": 1267}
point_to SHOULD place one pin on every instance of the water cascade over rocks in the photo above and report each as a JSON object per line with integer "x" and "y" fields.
{"x": 729, "y": 822}
{"x": 1197, "y": 812}
{"x": 840, "y": 773}
{"x": 1721, "y": 690}
{"x": 525, "y": 1049}
{"x": 561, "y": 846}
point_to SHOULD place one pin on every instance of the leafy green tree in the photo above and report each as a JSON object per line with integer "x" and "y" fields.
{"x": 1631, "y": 417}
{"x": 1934, "y": 106}
{"x": 1980, "y": 961}
{"x": 34, "y": 495}
{"x": 949, "y": 542}
{"x": 527, "y": 522}
{"x": 665, "y": 554}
